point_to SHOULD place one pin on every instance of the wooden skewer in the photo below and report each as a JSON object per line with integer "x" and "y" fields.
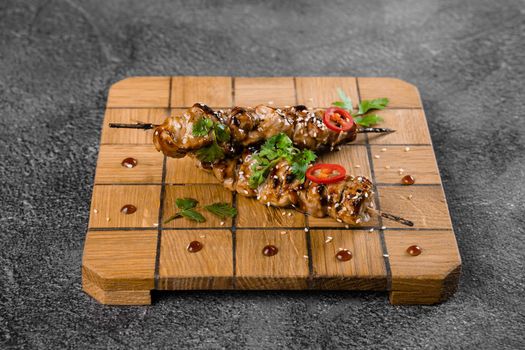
{"x": 147, "y": 126}
{"x": 143, "y": 126}
{"x": 391, "y": 217}
{"x": 397, "y": 219}
{"x": 374, "y": 130}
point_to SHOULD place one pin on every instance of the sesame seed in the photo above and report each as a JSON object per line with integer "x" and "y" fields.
{"x": 156, "y": 224}
{"x": 108, "y": 219}
{"x": 289, "y": 214}
{"x": 407, "y": 149}
{"x": 329, "y": 239}
{"x": 383, "y": 227}
{"x": 386, "y": 255}
{"x": 371, "y": 230}
{"x": 401, "y": 170}
{"x": 306, "y": 229}
{"x": 409, "y": 196}
{"x": 268, "y": 204}
{"x": 283, "y": 213}
{"x": 387, "y": 166}
{"x": 347, "y": 226}
{"x": 357, "y": 166}
{"x": 283, "y": 232}
{"x": 339, "y": 220}
{"x": 246, "y": 192}
{"x": 305, "y": 256}
{"x": 95, "y": 211}
{"x": 377, "y": 156}
{"x": 383, "y": 149}
{"x": 222, "y": 223}
{"x": 339, "y": 248}
{"x": 270, "y": 102}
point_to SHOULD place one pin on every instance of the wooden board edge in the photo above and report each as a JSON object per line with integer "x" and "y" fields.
{"x": 115, "y": 297}
{"x": 419, "y": 294}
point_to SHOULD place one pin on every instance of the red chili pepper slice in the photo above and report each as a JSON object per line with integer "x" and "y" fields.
{"x": 338, "y": 119}
{"x": 326, "y": 173}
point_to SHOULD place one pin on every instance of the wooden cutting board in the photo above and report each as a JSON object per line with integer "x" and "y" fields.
{"x": 128, "y": 255}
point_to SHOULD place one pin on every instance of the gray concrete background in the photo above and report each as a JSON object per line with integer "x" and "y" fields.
{"x": 57, "y": 60}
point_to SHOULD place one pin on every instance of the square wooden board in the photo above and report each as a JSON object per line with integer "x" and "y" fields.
{"x": 127, "y": 255}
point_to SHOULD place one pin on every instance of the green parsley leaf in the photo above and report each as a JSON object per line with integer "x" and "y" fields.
{"x": 210, "y": 153}
{"x": 222, "y": 210}
{"x": 368, "y": 120}
{"x": 301, "y": 162}
{"x": 339, "y": 104}
{"x": 346, "y": 102}
{"x": 275, "y": 149}
{"x": 222, "y": 132}
{"x": 192, "y": 215}
{"x": 173, "y": 217}
{"x": 367, "y": 105}
{"x": 186, "y": 203}
{"x": 202, "y": 127}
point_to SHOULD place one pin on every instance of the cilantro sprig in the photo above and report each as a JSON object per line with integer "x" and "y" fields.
{"x": 222, "y": 210}
{"x": 219, "y": 133}
{"x": 188, "y": 209}
{"x": 364, "y": 107}
{"x": 275, "y": 149}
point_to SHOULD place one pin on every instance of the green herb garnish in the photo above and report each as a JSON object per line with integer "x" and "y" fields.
{"x": 193, "y": 215}
{"x": 186, "y": 203}
{"x": 188, "y": 209}
{"x": 364, "y": 107}
{"x": 202, "y": 127}
{"x": 346, "y": 102}
{"x": 275, "y": 149}
{"x": 222, "y": 210}
{"x": 219, "y": 133}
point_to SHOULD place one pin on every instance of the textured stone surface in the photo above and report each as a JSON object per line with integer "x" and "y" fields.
{"x": 57, "y": 60}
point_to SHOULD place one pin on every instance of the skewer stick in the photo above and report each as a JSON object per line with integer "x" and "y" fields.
{"x": 397, "y": 219}
{"x": 374, "y": 130}
{"x": 143, "y": 126}
{"x": 391, "y": 217}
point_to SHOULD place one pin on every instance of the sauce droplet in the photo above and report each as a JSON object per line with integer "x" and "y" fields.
{"x": 129, "y": 163}
{"x": 344, "y": 255}
{"x": 270, "y": 250}
{"x": 414, "y": 250}
{"x": 408, "y": 180}
{"x": 194, "y": 246}
{"x": 128, "y": 209}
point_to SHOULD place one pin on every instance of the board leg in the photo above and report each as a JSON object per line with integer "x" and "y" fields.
{"x": 115, "y": 297}
{"x": 425, "y": 291}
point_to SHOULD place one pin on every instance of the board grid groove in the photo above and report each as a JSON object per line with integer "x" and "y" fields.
{"x": 380, "y": 219}
{"x": 404, "y": 288}
{"x": 161, "y": 204}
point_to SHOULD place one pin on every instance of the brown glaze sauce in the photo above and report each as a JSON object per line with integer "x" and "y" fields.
{"x": 344, "y": 255}
{"x": 128, "y": 209}
{"x": 194, "y": 246}
{"x": 270, "y": 250}
{"x": 129, "y": 163}
{"x": 408, "y": 180}
{"x": 414, "y": 250}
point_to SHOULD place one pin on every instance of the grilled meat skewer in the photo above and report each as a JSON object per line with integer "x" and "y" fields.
{"x": 251, "y": 126}
{"x": 346, "y": 201}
